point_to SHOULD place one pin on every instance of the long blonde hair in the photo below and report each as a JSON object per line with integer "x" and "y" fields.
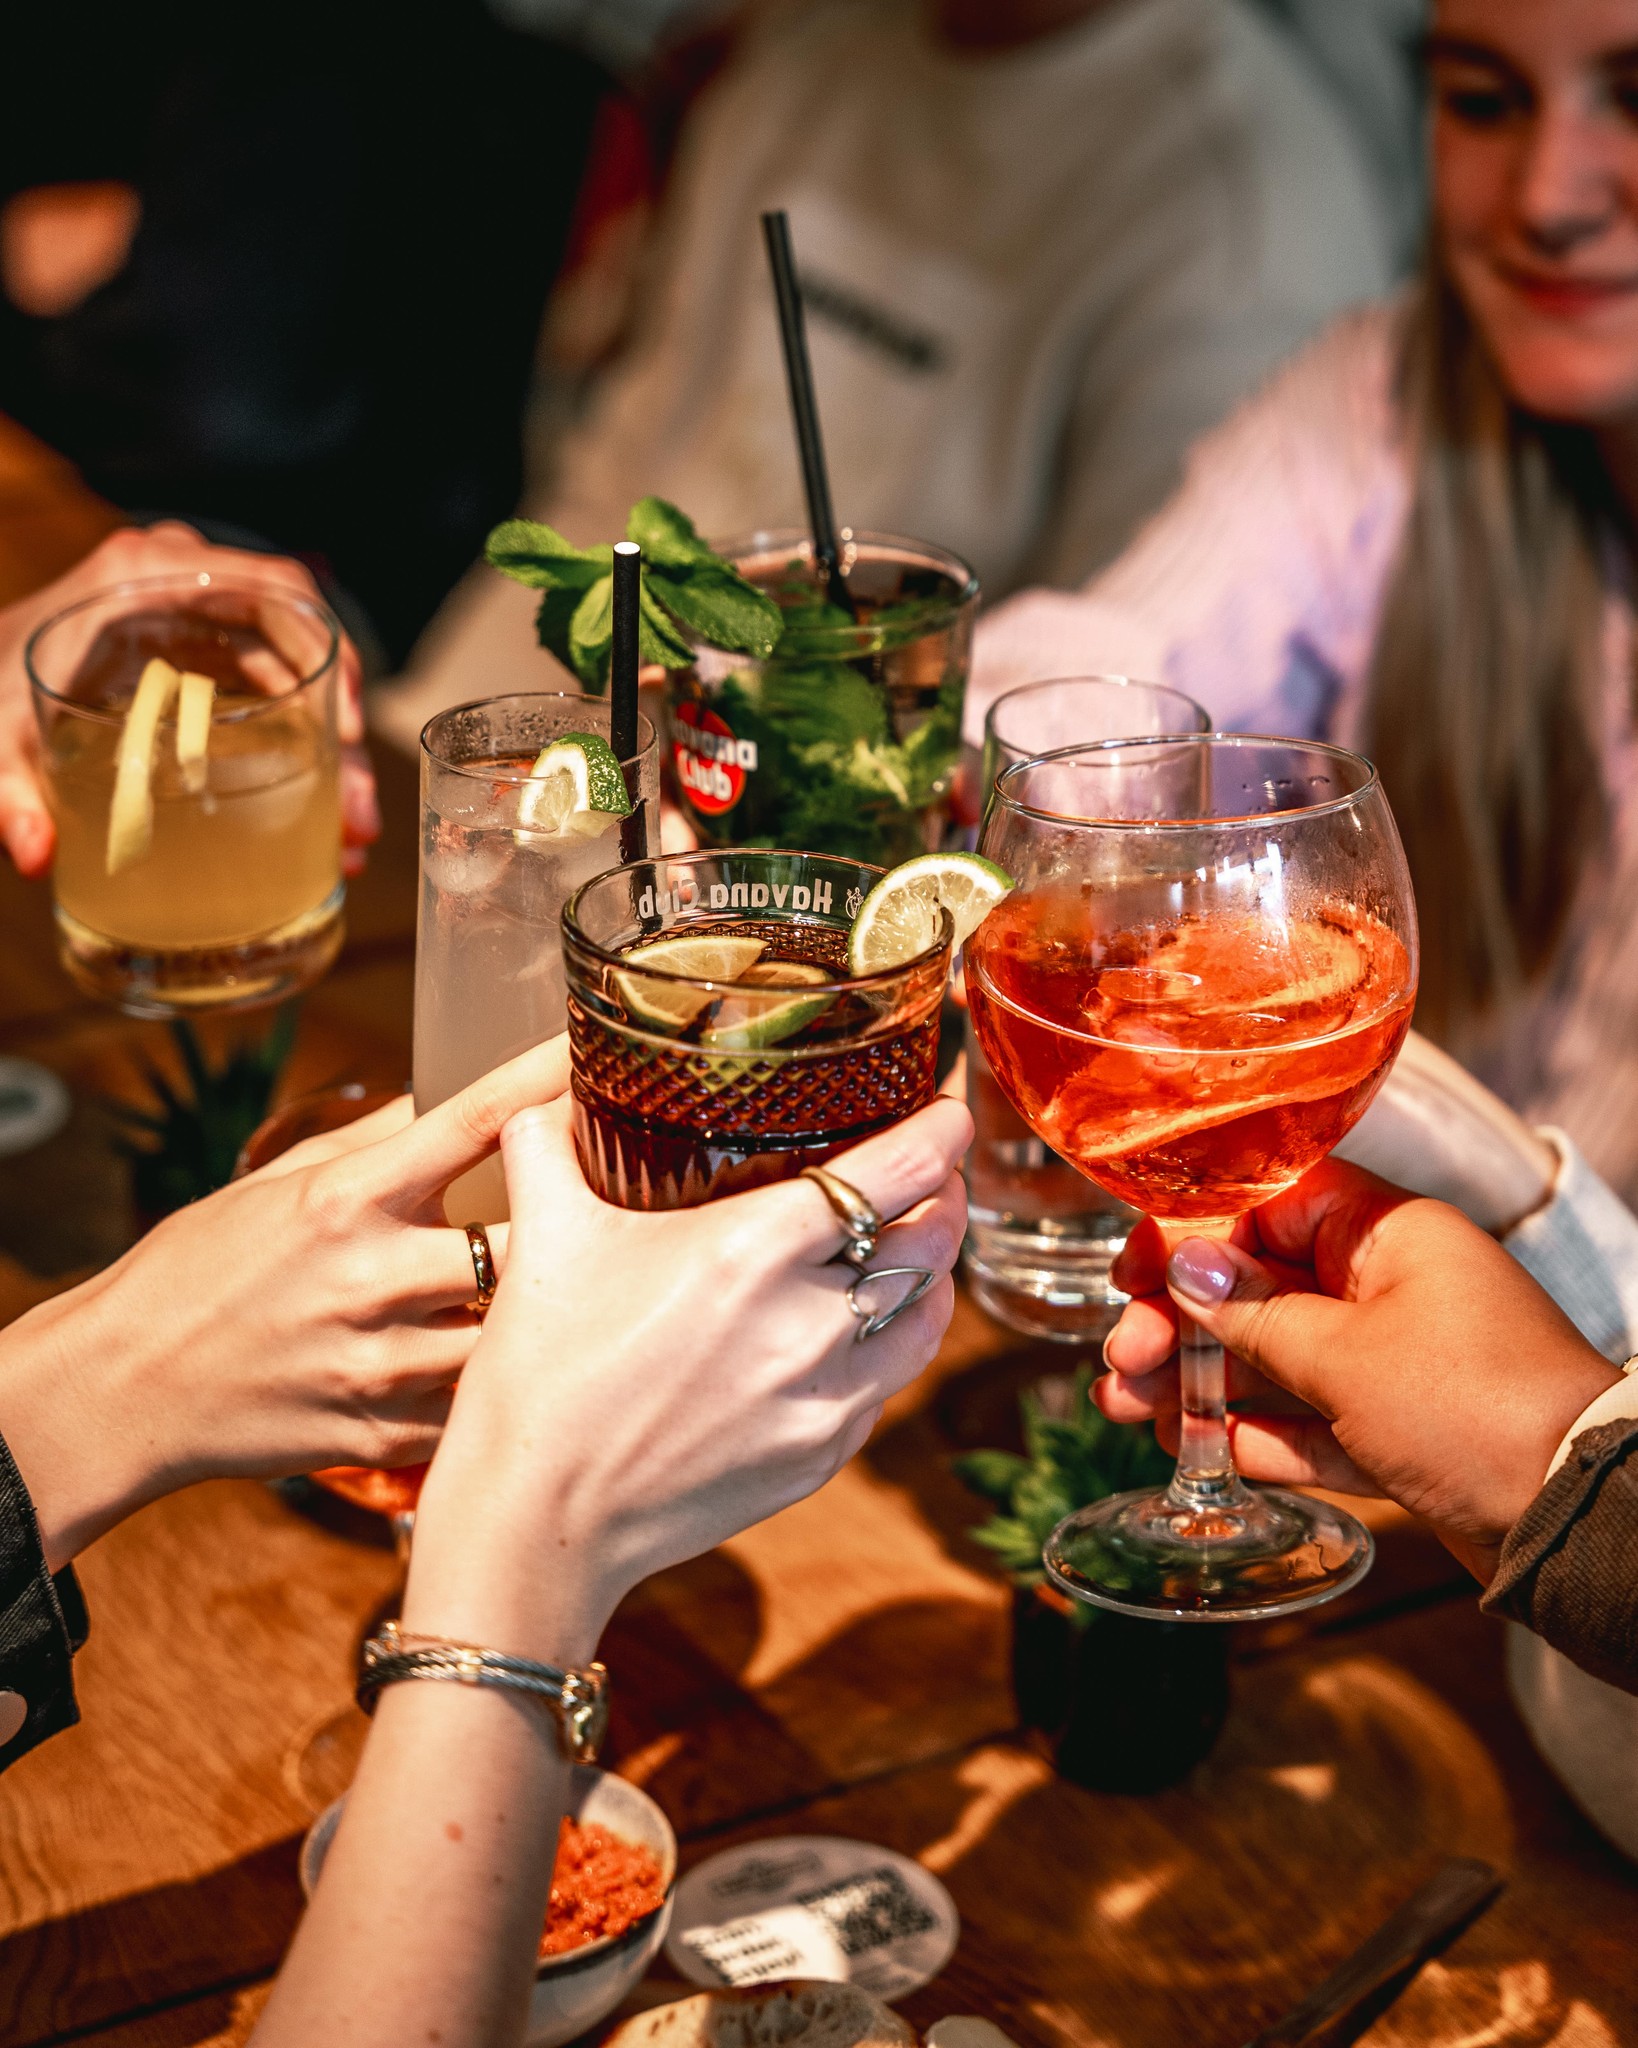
{"x": 1485, "y": 692}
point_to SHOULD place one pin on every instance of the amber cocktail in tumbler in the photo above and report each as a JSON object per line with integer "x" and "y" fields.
{"x": 189, "y": 752}
{"x": 719, "y": 1040}
{"x": 1194, "y": 992}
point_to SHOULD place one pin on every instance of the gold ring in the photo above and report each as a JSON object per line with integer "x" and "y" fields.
{"x": 483, "y": 1264}
{"x": 861, "y": 1225}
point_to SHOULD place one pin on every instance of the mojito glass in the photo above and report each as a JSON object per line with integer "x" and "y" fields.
{"x": 189, "y": 752}
{"x": 846, "y": 739}
{"x": 488, "y": 969}
{"x": 740, "y": 1048}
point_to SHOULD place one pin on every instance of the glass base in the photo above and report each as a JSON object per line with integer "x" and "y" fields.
{"x": 1255, "y": 1553}
{"x": 1044, "y": 1282}
{"x": 187, "y": 981}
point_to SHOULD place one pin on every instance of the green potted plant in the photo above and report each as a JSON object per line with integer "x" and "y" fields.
{"x": 1129, "y": 1704}
{"x": 186, "y": 1145}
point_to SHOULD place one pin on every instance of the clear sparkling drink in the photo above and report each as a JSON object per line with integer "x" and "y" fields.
{"x": 488, "y": 957}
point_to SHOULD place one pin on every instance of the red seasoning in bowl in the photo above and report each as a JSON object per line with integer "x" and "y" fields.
{"x": 601, "y": 1885}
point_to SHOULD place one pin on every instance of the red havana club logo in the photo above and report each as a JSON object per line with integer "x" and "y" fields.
{"x": 711, "y": 763}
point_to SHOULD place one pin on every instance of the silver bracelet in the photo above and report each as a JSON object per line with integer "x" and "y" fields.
{"x": 578, "y": 1700}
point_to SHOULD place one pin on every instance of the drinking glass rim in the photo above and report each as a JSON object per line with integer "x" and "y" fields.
{"x": 572, "y": 933}
{"x": 478, "y": 773}
{"x": 768, "y": 540}
{"x": 184, "y": 580}
{"x": 1110, "y": 676}
{"x": 1348, "y": 800}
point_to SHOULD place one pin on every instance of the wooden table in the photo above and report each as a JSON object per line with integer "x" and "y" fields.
{"x": 842, "y": 1669}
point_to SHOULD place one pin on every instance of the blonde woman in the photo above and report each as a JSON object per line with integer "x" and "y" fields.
{"x": 1418, "y": 540}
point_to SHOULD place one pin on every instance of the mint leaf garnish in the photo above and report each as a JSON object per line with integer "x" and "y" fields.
{"x": 686, "y": 590}
{"x": 591, "y": 632}
{"x": 723, "y": 610}
{"x": 657, "y": 635}
{"x": 540, "y": 556}
{"x": 666, "y": 536}
{"x": 554, "y": 619}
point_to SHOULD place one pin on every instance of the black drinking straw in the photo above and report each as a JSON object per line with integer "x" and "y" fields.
{"x": 776, "y": 232}
{"x": 628, "y": 584}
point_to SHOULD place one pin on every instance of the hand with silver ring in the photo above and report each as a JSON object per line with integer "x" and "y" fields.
{"x": 863, "y": 1228}
{"x": 873, "y": 1322}
{"x": 681, "y": 1373}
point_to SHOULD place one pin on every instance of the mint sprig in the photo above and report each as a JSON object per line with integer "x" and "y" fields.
{"x": 686, "y": 591}
{"x": 1072, "y": 1458}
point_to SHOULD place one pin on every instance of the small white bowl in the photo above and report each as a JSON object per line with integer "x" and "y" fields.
{"x": 574, "y": 1991}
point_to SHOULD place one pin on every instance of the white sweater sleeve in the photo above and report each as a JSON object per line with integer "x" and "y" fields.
{"x": 1437, "y": 1130}
{"x": 1255, "y": 590}
{"x": 1583, "y": 1248}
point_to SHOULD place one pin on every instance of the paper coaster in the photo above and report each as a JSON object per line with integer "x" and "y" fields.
{"x": 812, "y": 1906}
{"x": 34, "y": 1106}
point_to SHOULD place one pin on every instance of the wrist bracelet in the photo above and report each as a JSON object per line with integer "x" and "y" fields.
{"x": 578, "y": 1700}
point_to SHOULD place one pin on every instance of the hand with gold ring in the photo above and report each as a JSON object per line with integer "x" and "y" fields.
{"x": 862, "y": 1229}
{"x": 647, "y": 1384}
{"x": 316, "y": 1312}
{"x": 483, "y": 1266}
{"x": 644, "y": 1386}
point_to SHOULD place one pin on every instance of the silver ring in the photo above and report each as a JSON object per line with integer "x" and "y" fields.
{"x": 483, "y": 1265}
{"x": 872, "y": 1325}
{"x": 861, "y": 1224}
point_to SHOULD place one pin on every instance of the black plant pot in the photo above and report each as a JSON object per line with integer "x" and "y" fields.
{"x": 1130, "y": 1705}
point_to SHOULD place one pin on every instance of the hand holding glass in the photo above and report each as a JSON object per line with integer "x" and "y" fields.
{"x": 1199, "y": 983}
{"x": 189, "y": 752}
{"x": 1040, "y": 1239}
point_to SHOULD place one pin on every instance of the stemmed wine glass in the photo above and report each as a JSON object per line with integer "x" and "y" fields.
{"x": 1203, "y": 975}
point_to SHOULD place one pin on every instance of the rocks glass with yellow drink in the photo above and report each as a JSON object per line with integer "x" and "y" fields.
{"x": 189, "y": 752}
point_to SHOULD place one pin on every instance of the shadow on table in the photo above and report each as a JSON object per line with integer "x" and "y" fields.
{"x": 908, "y": 1680}
{"x": 973, "y": 1409}
{"x": 145, "y": 1947}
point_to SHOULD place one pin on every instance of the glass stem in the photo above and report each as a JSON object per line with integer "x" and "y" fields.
{"x": 1205, "y": 1475}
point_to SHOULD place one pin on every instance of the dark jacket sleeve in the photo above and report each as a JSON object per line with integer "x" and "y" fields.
{"x": 1569, "y": 1567}
{"x": 42, "y": 1624}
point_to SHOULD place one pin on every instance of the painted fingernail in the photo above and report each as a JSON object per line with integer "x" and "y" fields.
{"x": 1201, "y": 1270}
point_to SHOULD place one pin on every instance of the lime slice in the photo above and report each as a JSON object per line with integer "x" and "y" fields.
{"x": 131, "y": 814}
{"x": 575, "y": 789}
{"x": 899, "y": 918}
{"x": 197, "y": 694}
{"x": 766, "y": 1013}
{"x": 706, "y": 956}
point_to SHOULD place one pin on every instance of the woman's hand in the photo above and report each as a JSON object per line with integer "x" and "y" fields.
{"x": 1379, "y": 1343}
{"x": 313, "y": 1313}
{"x": 647, "y": 1385}
{"x": 163, "y": 550}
